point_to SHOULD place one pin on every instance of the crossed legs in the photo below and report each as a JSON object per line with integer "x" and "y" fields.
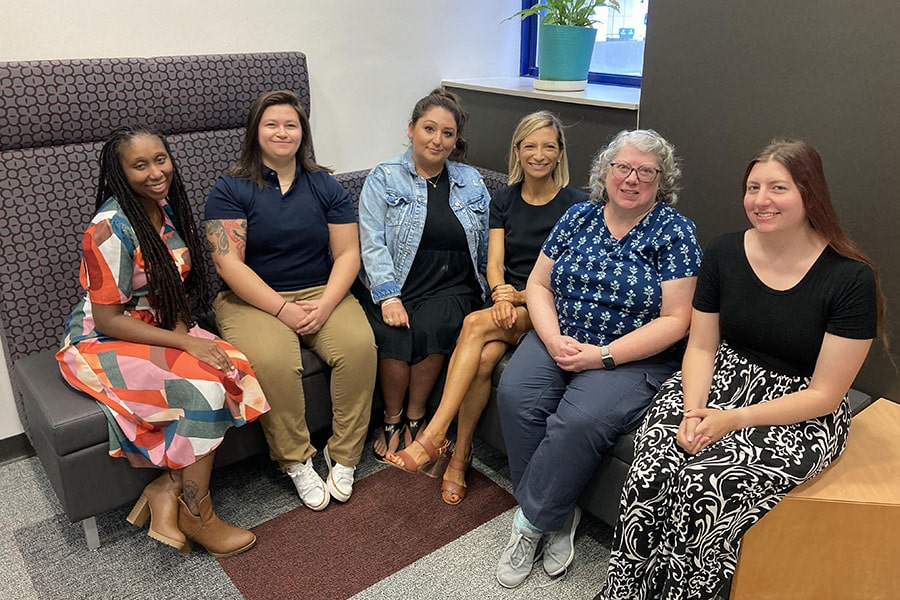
{"x": 467, "y": 389}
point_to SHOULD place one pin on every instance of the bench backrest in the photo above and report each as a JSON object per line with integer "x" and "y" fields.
{"x": 55, "y": 116}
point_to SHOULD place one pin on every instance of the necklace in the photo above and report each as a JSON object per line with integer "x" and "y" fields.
{"x": 435, "y": 180}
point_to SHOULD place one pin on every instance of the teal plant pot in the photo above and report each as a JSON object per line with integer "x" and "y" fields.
{"x": 564, "y": 52}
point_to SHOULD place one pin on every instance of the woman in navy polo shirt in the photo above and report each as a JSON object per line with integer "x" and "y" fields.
{"x": 609, "y": 298}
{"x": 285, "y": 243}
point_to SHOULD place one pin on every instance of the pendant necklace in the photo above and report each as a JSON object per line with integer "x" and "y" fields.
{"x": 435, "y": 180}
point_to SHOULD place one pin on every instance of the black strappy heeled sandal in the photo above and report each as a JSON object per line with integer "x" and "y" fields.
{"x": 414, "y": 426}
{"x": 389, "y": 431}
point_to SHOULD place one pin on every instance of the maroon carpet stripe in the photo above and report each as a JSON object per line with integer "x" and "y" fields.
{"x": 392, "y": 520}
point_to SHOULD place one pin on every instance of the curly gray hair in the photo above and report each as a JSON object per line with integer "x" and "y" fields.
{"x": 644, "y": 140}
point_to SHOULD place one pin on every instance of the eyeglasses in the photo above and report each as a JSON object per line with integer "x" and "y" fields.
{"x": 645, "y": 174}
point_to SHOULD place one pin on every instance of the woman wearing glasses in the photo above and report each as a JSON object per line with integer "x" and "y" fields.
{"x": 784, "y": 316}
{"x": 610, "y": 300}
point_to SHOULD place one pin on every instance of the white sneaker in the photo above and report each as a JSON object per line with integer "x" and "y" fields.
{"x": 340, "y": 479}
{"x": 309, "y": 485}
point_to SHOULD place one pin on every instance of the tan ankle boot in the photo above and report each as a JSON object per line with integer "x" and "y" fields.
{"x": 159, "y": 502}
{"x": 218, "y": 537}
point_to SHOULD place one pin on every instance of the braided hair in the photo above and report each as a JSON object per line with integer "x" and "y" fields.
{"x": 172, "y": 300}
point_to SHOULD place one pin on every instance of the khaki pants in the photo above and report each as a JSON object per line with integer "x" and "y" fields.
{"x": 345, "y": 343}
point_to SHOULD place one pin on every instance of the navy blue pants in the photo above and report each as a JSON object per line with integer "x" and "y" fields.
{"x": 557, "y": 424}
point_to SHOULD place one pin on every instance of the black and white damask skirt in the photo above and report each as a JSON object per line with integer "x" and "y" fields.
{"x": 682, "y": 517}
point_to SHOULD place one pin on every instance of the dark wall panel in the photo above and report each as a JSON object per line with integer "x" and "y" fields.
{"x": 723, "y": 78}
{"x": 493, "y": 118}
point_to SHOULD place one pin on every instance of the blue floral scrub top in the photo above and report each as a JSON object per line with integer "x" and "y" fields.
{"x": 605, "y": 288}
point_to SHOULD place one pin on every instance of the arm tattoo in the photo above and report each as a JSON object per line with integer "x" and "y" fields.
{"x": 214, "y": 231}
{"x": 227, "y": 235}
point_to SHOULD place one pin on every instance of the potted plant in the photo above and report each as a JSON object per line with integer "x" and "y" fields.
{"x": 565, "y": 42}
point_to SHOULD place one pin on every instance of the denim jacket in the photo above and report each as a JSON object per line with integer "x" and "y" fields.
{"x": 392, "y": 209}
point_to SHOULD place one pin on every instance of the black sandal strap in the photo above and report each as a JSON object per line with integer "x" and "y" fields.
{"x": 389, "y": 431}
{"x": 414, "y": 426}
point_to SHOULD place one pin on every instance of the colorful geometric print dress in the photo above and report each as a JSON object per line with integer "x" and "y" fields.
{"x": 165, "y": 407}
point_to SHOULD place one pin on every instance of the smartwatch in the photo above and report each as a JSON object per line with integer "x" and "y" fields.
{"x": 608, "y": 361}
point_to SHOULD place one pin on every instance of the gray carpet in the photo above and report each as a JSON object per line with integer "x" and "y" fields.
{"x": 43, "y": 556}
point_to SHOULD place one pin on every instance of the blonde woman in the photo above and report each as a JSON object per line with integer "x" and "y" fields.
{"x": 521, "y": 216}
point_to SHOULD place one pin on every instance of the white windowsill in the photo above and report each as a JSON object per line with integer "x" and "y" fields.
{"x": 609, "y": 96}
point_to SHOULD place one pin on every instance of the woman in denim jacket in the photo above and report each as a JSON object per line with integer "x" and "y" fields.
{"x": 423, "y": 227}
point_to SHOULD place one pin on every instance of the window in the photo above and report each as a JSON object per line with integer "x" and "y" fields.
{"x": 618, "y": 57}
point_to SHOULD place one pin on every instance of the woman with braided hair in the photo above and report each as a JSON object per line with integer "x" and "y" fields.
{"x": 169, "y": 389}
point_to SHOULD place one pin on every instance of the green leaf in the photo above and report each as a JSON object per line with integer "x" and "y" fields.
{"x": 576, "y": 13}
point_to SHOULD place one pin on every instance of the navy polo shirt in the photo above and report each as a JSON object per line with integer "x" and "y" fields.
{"x": 287, "y": 234}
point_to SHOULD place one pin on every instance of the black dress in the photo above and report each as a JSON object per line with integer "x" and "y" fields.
{"x": 440, "y": 290}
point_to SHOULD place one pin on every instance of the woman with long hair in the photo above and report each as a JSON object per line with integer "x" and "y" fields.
{"x": 783, "y": 317}
{"x": 169, "y": 389}
{"x": 521, "y": 216}
{"x": 285, "y": 243}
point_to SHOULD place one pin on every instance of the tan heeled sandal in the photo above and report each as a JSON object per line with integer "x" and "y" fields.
{"x": 437, "y": 457}
{"x": 451, "y": 487}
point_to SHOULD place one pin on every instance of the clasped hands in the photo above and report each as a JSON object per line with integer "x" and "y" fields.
{"x": 571, "y": 355}
{"x": 701, "y": 427}
{"x": 506, "y": 298}
{"x": 305, "y": 317}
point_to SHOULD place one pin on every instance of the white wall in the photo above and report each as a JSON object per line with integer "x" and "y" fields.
{"x": 368, "y": 61}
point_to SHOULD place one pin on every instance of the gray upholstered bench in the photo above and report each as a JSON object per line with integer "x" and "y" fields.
{"x": 55, "y": 116}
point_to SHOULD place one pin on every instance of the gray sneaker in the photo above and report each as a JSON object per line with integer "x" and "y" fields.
{"x": 519, "y": 555}
{"x": 559, "y": 546}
